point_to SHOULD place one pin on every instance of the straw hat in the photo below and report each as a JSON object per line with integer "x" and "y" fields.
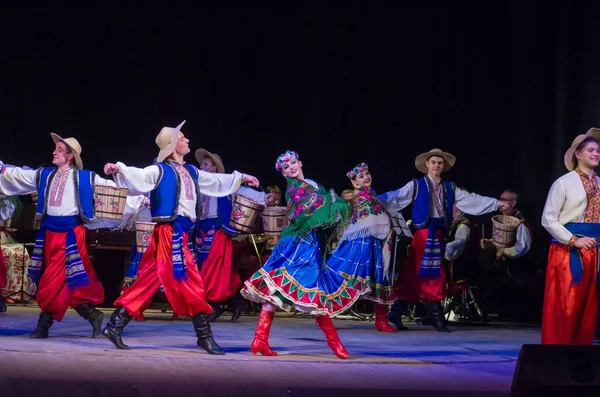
{"x": 74, "y": 145}
{"x": 449, "y": 159}
{"x": 569, "y": 163}
{"x": 166, "y": 140}
{"x": 202, "y": 153}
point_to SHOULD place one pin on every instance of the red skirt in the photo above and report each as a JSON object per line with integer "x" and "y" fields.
{"x": 186, "y": 297}
{"x": 53, "y": 295}
{"x": 221, "y": 278}
{"x": 409, "y": 286}
{"x": 569, "y": 312}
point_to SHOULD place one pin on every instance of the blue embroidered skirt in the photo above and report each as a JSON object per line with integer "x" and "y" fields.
{"x": 295, "y": 277}
{"x": 360, "y": 261}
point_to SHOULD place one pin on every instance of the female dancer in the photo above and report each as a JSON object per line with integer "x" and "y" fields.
{"x": 295, "y": 277}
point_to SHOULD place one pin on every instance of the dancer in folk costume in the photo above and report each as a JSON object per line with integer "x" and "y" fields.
{"x": 571, "y": 215}
{"x": 363, "y": 252}
{"x": 60, "y": 263}
{"x": 169, "y": 260}
{"x": 295, "y": 277}
{"x": 214, "y": 241}
{"x": 423, "y": 276}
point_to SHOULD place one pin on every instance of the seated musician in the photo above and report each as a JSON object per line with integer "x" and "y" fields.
{"x": 510, "y": 272}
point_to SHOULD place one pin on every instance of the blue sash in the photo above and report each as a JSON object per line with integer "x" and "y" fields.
{"x": 181, "y": 224}
{"x": 575, "y": 264}
{"x": 432, "y": 257}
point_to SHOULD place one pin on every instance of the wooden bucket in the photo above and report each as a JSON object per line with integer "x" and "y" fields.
{"x": 504, "y": 230}
{"x": 143, "y": 235}
{"x": 109, "y": 202}
{"x": 245, "y": 213}
{"x": 274, "y": 220}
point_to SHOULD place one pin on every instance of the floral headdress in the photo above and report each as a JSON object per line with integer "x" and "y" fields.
{"x": 284, "y": 158}
{"x": 362, "y": 167}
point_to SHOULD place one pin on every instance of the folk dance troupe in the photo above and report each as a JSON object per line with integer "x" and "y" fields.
{"x": 190, "y": 255}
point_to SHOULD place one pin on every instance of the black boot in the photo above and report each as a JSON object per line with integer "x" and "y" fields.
{"x": 437, "y": 317}
{"x": 2, "y": 306}
{"x": 427, "y": 319}
{"x": 395, "y": 314}
{"x": 237, "y": 303}
{"x": 45, "y": 322}
{"x": 93, "y": 315}
{"x": 217, "y": 311}
{"x": 204, "y": 334}
{"x": 118, "y": 320}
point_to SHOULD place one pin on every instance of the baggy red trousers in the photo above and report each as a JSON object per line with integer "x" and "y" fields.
{"x": 186, "y": 297}
{"x": 569, "y": 311}
{"x": 53, "y": 295}
{"x": 221, "y": 278}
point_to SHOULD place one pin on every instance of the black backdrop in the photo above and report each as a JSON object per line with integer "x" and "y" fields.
{"x": 504, "y": 87}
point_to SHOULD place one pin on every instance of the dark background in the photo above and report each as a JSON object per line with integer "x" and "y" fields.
{"x": 504, "y": 87}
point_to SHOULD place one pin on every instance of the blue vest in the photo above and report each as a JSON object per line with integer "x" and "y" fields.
{"x": 422, "y": 210}
{"x": 84, "y": 186}
{"x": 164, "y": 199}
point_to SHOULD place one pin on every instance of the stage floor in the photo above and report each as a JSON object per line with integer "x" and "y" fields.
{"x": 470, "y": 361}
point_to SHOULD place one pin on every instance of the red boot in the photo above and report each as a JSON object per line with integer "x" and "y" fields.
{"x": 381, "y": 321}
{"x": 260, "y": 344}
{"x": 333, "y": 340}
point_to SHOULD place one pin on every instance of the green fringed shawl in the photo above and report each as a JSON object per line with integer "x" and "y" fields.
{"x": 310, "y": 208}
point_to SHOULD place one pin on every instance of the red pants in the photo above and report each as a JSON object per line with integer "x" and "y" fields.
{"x": 53, "y": 295}
{"x": 221, "y": 278}
{"x": 569, "y": 312}
{"x": 3, "y": 270}
{"x": 409, "y": 286}
{"x": 186, "y": 297}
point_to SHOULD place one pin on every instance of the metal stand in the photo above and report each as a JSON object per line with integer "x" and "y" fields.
{"x": 462, "y": 306}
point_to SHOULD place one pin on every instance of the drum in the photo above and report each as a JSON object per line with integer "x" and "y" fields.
{"x": 245, "y": 213}
{"x": 274, "y": 220}
{"x": 504, "y": 230}
{"x": 143, "y": 235}
{"x": 109, "y": 202}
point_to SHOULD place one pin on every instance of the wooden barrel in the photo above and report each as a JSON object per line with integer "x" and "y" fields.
{"x": 109, "y": 202}
{"x": 274, "y": 220}
{"x": 143, "y": 235}
{"x": 245, "y": 213}
{"x": 504, "y": 230}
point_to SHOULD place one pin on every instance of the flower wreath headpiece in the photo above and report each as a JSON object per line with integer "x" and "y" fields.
{"x": 284, "y": 158}
{"x": 362, "y": 167}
